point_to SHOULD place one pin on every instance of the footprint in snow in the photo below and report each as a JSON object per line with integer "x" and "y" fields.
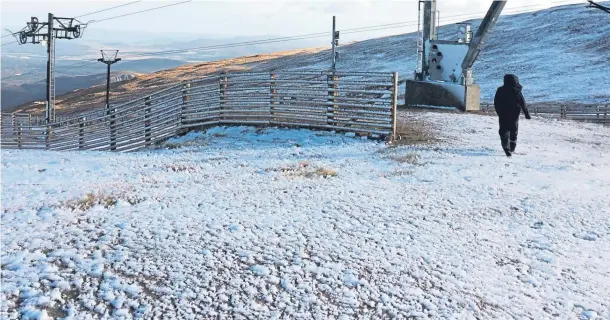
{"x": 538, "y": 225}
{"x": 122, "y": 225}
{"x": 545, "y": 257}
{"x": 589, "y": 314}
{"x": 589, "y": 236}
{"x": 260, "y": 270}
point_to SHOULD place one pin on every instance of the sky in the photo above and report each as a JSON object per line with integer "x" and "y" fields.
{"x": 225, "y": 19}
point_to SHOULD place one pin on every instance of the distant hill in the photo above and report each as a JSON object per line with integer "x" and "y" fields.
{"x": 13, "y": 96}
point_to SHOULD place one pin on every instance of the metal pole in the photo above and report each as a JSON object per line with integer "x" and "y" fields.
{"x": 420, "y": 45}
{"x": 108, "y": 63}
{"x": 476, "y": 43}
{"x": 592, "y": 4}
{"x": 429, "y": 32}
{"x": 108, "y": 88}
{"x": 334, "y": 55}
{"x": 49, "y": 51}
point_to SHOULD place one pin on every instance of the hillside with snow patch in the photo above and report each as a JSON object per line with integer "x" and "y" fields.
{"x": 560, "y": 54}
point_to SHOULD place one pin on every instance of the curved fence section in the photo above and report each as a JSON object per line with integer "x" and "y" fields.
{"x": 351, "y": 102}
{"x": 586, "y": 113}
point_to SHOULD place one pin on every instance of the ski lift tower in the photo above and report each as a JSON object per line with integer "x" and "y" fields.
{"x": 444, "y": 71}
{"x": 46, "y": 33}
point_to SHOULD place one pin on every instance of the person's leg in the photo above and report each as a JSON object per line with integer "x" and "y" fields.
{"x": 513, "y": 135}
{"x": 505, "y": 136}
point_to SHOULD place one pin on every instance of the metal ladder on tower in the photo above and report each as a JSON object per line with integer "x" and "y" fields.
{"x": 420, "y": 40}
{"x": 52, "y": 82}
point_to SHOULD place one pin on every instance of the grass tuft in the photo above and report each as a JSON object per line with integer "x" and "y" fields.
{"x": 304, "y": 169}
{"x": 91, "y": 200}
{"x": 409, "y": 158}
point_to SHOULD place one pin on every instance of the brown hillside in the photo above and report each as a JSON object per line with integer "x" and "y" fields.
{"x": 86, "y": 99}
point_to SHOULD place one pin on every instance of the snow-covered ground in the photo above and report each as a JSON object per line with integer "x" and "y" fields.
{"x": 246, "y": 223}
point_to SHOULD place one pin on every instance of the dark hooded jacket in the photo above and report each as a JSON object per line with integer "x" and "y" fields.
{"x": 509, "y": 100}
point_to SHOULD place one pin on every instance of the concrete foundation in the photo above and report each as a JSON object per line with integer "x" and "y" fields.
{"x": 440, "y": 94}
{"x": 472, "y": 98}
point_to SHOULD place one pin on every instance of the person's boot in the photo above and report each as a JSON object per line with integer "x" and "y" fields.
{"x": 513, "y": 146}
{"x": 507, "y": 152}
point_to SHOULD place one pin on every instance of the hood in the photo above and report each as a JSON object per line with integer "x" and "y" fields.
{"x": 511, "y": 81}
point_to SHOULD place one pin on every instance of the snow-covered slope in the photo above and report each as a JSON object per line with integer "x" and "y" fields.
{"x": 242, "y": 223}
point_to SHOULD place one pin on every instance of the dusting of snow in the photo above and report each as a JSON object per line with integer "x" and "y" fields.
{"x": 260, "y": 270}
{"x": 552, "y": 51}
{"x": 229, "y": 224}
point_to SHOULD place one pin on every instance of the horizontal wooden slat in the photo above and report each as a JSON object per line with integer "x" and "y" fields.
{"x": 317, "y": 82}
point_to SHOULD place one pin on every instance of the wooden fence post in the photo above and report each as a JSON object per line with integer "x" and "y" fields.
{"x": 394, "y": 102}
{"x": 185, "y": 101}
{"x": 536, "y": 110}
{"x": 272, "y": 97}
{"x": 19, "y": 131}
{"x": 224, "y": 79}
{"x": 47, "y": 138}
{"x": 331, "y": 80}
{"x": 606, "y": 111}
{"x": 147, "y": 121}
{"x": 81, "y": 133}
{"x": 563, "y": 113}
{"x": 113, "y": 129}
{"x": 15, "y": 129}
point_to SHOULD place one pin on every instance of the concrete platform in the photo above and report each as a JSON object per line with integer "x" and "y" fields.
{"x": 443, "y": 94}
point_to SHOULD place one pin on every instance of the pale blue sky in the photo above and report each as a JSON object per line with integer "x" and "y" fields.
{"x": 251, "y": 18}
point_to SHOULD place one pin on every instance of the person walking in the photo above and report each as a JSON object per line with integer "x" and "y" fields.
{"x": 509, "y": 103}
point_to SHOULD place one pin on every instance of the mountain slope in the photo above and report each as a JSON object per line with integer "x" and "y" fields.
{"x": 561, "y": 54}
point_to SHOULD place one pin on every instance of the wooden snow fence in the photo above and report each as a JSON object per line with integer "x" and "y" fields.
{"x": 359, "y": 102}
